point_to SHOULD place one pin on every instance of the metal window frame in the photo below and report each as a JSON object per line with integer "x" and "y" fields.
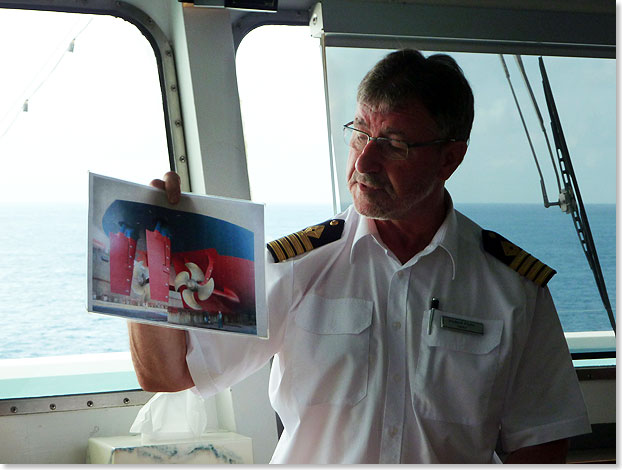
{"x": 569, "y": 28}
{"x": 88, "y": 401}
{"x": 163, "y": 51}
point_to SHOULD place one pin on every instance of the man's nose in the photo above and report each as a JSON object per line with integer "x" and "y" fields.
{"x": 369, "y": 160}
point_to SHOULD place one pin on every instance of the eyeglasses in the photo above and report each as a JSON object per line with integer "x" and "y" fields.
{"x": 391, "y": 149}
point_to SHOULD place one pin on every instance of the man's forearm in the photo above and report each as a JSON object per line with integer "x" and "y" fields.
{"x": 549, "y": 452}
{"x": 159, "y": 357}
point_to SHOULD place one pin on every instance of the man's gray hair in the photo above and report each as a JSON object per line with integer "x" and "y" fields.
{"x": 436, "y": 81}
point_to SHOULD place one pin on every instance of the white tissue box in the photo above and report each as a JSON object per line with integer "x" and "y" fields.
{"x": 210, "y": 448}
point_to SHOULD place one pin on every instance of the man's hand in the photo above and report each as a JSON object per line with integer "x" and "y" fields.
{"x": 171, "y": 183}
{"x": 159, "y": 353}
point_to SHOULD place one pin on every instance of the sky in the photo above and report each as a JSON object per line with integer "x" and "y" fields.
{"x": 99, "y": 109}
{"x": 499, "y": 165}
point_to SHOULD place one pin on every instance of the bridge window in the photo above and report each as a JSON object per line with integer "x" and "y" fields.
{"x": 79, "y": 93}
{"x": 498, "y": 185}
{"x": 282, "y": 105}
{"x": 284, "y": 116}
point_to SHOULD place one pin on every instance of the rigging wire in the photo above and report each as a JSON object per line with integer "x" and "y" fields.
{"x": 521, "y": 67}
{"x": 533, "y": 151}
{"x": 21, "y": 103}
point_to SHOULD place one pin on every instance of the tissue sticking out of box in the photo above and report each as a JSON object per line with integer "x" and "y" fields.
{"x": 171, "y": 416}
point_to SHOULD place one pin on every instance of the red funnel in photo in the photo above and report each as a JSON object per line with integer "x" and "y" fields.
{"x": 159, "y": 256}
{"x": 122, "y": 252}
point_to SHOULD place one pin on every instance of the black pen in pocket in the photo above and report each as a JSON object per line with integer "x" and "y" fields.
{"x": 433, "y": 306}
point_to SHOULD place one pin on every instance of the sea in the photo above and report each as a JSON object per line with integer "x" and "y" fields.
{"x": 43, "y": 253}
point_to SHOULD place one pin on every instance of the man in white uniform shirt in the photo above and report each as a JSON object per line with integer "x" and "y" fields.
{"x": 401, "y": 331}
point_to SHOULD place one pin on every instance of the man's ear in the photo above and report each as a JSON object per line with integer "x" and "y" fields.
{"x": 452, "y": 155}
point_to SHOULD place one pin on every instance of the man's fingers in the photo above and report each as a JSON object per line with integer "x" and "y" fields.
{"x": 171, "y": 183}
{"x": 159, "y": 184}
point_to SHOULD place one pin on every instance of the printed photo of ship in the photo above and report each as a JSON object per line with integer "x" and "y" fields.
{"x": 159, "y": 264}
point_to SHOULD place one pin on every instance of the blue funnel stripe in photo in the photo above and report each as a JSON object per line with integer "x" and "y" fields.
{"x": 187, "y": 231}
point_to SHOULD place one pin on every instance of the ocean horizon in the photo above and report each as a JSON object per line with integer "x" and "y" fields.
{"x": 43, "y": 282}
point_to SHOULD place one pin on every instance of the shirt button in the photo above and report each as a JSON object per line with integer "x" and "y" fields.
{"x": 397, "y": 378}
{"x": 397, "y": 325}
{"x": 392, "y": 431}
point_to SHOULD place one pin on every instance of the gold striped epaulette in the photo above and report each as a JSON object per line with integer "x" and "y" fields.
{"x": 306, "y": 240}
{"x": 517, "y": 258}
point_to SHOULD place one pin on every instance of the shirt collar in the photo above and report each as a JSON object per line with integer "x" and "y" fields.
{"x": 365, "y": 228}
{"x": 445, "y": 237}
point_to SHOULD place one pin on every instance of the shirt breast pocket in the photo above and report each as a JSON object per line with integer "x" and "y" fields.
{"x": 331, "y": 350}
{"x": 456, "y": 370}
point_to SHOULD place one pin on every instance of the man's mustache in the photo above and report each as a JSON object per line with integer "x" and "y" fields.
{"x": 373, "y": 180}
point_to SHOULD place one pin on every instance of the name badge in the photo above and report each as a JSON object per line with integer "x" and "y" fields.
{"x": 465, "y": 326}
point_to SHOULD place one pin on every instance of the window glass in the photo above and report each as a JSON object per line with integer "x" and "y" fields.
{"x": 498, "y": 185}
{"x": 284, "y": 115}
{"x": 78, "y": 93}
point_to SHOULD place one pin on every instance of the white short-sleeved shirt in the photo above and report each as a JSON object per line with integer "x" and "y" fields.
{"x": 361, "y": 374}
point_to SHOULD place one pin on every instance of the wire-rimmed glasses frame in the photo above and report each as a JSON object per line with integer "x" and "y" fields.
{"x": 391, "y": 148}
